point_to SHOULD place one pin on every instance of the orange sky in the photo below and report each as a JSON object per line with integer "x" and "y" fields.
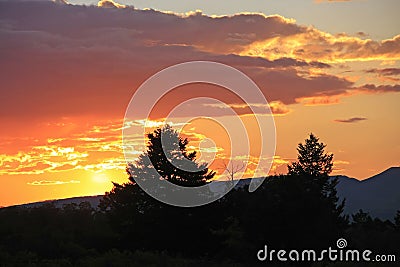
{"x": 65, "y": 86}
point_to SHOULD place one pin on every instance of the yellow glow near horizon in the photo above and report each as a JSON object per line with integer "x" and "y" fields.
{"x": 100, "y": 178}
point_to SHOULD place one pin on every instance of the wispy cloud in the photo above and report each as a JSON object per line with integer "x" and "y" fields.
{"x": 319, "y": 100}
{"x": 351, "y": 120}
{"x": 95, "y": 145}
{"x": 45, "y": 182}
{"x": 276, "y": 108}
{"x": 372, "y": 88}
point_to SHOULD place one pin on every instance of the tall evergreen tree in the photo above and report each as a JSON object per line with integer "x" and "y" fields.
{"x": 314, "y": 164}
{"x": 312, "y": 169}
{"x": 312, "y": 159}
{"x": 168, "y": 155}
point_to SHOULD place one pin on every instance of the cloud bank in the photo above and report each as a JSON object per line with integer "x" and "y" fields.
{"x": 66, "y": 60}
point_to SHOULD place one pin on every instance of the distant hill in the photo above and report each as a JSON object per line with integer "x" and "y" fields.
{"x": 379, "y": 195}
{"x": 93, "y": 200}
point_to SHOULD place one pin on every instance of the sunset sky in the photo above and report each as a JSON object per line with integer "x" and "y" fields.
{"x": 69, "y": 70}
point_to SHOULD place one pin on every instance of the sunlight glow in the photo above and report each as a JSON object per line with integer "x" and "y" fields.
{"x": 100, "y": 178}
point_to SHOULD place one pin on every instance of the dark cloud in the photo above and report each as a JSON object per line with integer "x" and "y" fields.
{"x": 385, "y": 72}
{"x": 362, "y": 34}
{"x": 351, "y": 120}
{"x": 283, "y": 62}
{"x": 372, "y": 88}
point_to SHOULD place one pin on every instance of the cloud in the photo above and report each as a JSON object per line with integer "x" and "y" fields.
{"x": 362, "y": 34}
{"x": 41, "y": 158}
{"x": 319, "y": 100}
{"x": 276, "y": 108}
{"x": 339, "y": 166}
{"x": 90, "y": 144}
{"x": 109, "y": 4}
{"x": 386, "y": 75}
{"x": 385, "y": 72}
{"x": 99, "y": 56}
{"x": 372, "y": 88}
{"x": 62, "y": 2}
{"x": 279, "y": 63}
{"x": 312, "y": 44}
{"x": 70, "y": 81}
{"x": 341, "y": 162}
{"x": 351, "y": 120}
{"x": 279, "y": 165}
{"x": 45, "y": 182}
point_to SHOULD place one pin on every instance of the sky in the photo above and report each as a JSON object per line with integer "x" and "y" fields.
{"x": 69, "y": 70}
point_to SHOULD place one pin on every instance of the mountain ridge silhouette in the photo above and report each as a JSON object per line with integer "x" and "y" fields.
{"x": 378, "y": 195}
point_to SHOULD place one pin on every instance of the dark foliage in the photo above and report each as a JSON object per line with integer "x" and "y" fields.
{"x": 295, "y": 211}
{"x": 167, "y": 154}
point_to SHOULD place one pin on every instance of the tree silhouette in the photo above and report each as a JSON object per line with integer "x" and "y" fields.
{"x": 310, "y": 174}
{"x": 397, "y": 219}
{"x": 312, "y": 159}
{"x": 316, "y": 165}
{"x": 232, "y": 169}
{"x": 361, "y": 218}
{"x": 167, "y": 154}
